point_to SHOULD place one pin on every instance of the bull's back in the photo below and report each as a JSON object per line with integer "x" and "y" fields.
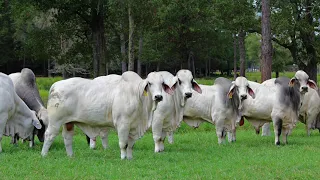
{"x": 260, "y": 107}
{"x": 200, "y": 105}
{"x": 80, "y": 100}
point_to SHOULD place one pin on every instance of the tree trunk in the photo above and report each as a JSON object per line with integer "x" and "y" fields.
{"x": 191, "y": 63}
{"x": 277, "y": 74}
{"x": 140, "y": 55}
{"x": 308, "y": 40}
{"x": 123, "y": 51}
{"x": 234, "y": 56}
{"x": 193, "y": 68}
{"x": 206, "y": 69}
{"x": 242, "y": 53}
{"x": 131, "y": 45}
{"x": 98, "y": 38}
{"x": 266, "y": 46}
{"x": 158, "y": 66}
{"x": 209, "y": 66}
{"x": 49, "y": 70}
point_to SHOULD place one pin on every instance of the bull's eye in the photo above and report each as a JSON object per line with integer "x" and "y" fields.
{"x": 149, "y": 84}
{"x": 179, "y": 81}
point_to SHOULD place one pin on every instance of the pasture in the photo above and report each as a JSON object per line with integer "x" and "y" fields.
{"x": 194, "y": 155}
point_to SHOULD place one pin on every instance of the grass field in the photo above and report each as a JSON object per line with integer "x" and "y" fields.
{"x": 194, "y": 155}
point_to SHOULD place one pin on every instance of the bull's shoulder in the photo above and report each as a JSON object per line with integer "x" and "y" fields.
{"x": 269, "y": 82}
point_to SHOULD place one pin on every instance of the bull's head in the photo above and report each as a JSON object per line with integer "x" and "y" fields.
{"x": 185, "y": 83}
{"x": 154, "y": 84}
{"x": 241, "y": 86}
{"x": 302, "y": 79}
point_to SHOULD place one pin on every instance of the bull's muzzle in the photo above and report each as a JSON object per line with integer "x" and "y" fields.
{"x": 243, "y": 97}
{"x": 188, "y": 95}
{"x": 158, "y": 98}
{"x": 304, "y": 89}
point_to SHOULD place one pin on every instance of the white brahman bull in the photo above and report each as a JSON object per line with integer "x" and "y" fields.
{"x": 26, "y": 88}
{"x": 219, "y": 104}
{"x": 125, "y": 103}
{"x": 15, "y": 116}
{"x": 169, "y": 112}
{"x": 310, "y": 107}
{"x": 280, "y": 103}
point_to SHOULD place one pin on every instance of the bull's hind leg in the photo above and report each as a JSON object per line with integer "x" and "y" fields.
{"x": 67, "y": 133}
{"x": 285, "y": 133}
{"x": 170, "y": 137}
{"x": 104, "y": 138}
{"x": 266, "y": 130}
{"x": 3, "y": 122}
{"x": 51, "y": 132}
{"x": 277, "y": 130}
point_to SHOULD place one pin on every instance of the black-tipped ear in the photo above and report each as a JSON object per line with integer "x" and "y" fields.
{"x": 231, "y": 90}
{"x": 144, "y": 88}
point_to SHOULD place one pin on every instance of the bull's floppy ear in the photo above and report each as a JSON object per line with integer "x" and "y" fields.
{"x": 175, "y": 83}
{"x": 144, "y": 88}
{"x": 195, "y": 86}
{"x": 167, "y": 89}
{"x": 312, "y": 84}
{"x": 231, "y": 90}
{"x": 37, "y": 124}
{"x": 251, "y": 92}
{"x": 292, "y": 81}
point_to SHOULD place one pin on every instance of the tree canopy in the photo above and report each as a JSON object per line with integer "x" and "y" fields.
{"x": 91, "y": 38}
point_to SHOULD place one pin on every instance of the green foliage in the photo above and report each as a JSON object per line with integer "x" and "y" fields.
{"x": 45, "y": 83}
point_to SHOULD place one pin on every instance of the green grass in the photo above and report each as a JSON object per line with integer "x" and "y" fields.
{"x": 194, "y": 155}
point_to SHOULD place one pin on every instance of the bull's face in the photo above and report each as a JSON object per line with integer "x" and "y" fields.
{"x": 185, "y": 82}
{"x": 242, "y": 87}
{"x": 302, "y": 79}
{"x": 154, "y": 84}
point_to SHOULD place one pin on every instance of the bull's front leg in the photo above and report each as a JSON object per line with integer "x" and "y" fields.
{"x": 131, "y": 141}
{"x": 277, "y": 130}
{"x": 67, "y": 133}
{"x": 31, "y": 141}
{"x": 157, "y": 133}
{"x": 232, "y": 135}
{"x": 123, "y": 134}
{"x": 221, "y": 134}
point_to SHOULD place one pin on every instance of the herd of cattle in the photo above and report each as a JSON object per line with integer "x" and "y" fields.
{"x": 132, "y": 105}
